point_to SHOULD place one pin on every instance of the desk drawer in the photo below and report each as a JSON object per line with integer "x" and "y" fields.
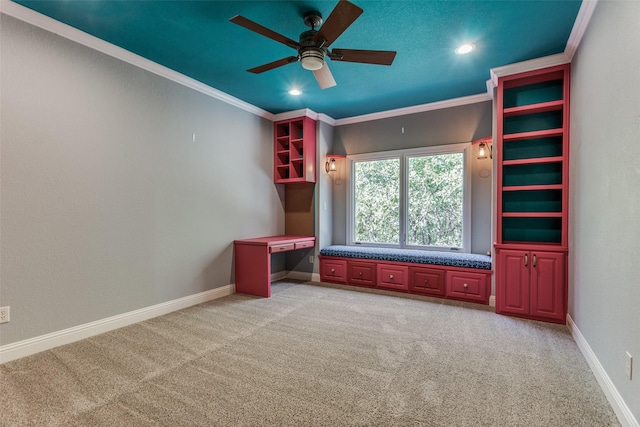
{"x": 302, "y": 245}
{"x": 281, "y": 248}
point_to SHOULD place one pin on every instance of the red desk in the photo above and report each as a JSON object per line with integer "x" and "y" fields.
{"x": 253, "y": 261}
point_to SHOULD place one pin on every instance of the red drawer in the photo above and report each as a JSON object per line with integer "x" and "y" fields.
{"x": 426, "y": 281}
{"x": 281, "y": 248}
{"x": 467, "y": 286}
{"x": 333, "y": 270}
{"x": 392, "y": 277}
{"x": 302, "y": 245}
{"x": 361, "y": 273}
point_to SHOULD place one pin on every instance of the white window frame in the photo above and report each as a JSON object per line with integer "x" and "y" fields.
{"x": 403, "y": 155}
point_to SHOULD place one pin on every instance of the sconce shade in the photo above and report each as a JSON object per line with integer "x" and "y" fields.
{"x": 482, "y": 151}
{"x": 330, "y": 165}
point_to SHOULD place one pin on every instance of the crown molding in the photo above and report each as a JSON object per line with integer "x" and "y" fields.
{"x": 579, "y": 27}
{"x": 37, "y": 19}
{"x": 455, "y": 102}
{"x": 304, "y": 112}
{"x": 530, "y": 65}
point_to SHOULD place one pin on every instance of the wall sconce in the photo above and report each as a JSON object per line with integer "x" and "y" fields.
{"x": 331, "y": 165}
{"x": 484, "y": 149}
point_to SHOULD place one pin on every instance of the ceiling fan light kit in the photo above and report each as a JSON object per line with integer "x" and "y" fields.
{"x": 311, "y": 58}
{"x": 313, "y": 47}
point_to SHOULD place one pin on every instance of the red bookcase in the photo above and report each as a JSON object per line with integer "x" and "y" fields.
{"x": 294, "y": 151}
{"x": 532, "y": 193}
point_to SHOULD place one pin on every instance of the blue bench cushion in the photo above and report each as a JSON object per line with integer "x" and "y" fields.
{"x": 451, "y": 259}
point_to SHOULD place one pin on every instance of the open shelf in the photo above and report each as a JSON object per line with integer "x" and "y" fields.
{"x": 534, "y": 160}
{"x": 532, "y": 202}
{"x": 294, "y": 150}
{"x": 533, "y": 187}
{"x": 532, "y": 174}
{"x": 532, "y": 148}
{"x": 533, "y": 134}
{"x": 533, "y": 108}
{"x": 533, "y": 122}
{"x": 532, "y": 157}
{"x": 530, "y": 229}
{"x": 529, "y": 92}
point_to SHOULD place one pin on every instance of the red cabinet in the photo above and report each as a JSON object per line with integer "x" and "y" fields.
{"x": 294, "y": 151}
{"x": 532, "y": 194}
{"x": 391, "y": 276}
{"x": 467, "y": 286}
{"x": 361, "y": 273}
{"x": 427, "y": 281}
{"x": 531, "y": 284}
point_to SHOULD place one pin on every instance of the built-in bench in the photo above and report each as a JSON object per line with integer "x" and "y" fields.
{"x": 453, "y": 275}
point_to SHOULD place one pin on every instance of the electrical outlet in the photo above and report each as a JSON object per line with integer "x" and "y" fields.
{"x": 628, "y": 366}
{"x": 4, "y": 314}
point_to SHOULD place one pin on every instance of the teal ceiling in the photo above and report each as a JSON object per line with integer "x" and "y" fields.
{"x": 195, "y": 38}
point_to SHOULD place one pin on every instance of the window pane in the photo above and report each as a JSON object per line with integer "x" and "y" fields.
{"x": 435, "y": 200}
{"x": 377, "y": 201}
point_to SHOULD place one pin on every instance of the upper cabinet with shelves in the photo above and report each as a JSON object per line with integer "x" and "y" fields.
{"x": 532, "y": 155}
{"x": 294, "y": 151}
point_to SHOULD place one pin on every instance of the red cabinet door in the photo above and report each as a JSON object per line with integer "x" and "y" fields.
{"x": 332, "y": 270}
{"x": 467, "y": 286}
{"x": 427, "y": 281}
{"x": 361, "y": 273}
{"x": 512, "y": 282}
{"x": 547, "y": 299}
{"x": 392, "y": 277}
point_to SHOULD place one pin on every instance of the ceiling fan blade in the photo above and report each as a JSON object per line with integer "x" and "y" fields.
{"x": 274, "y": 64}
{"x": 379, "y": 57}
{"x": 324, "y": 77}
{"x": 342, "y": 16}
{"x": 257, "y": 28}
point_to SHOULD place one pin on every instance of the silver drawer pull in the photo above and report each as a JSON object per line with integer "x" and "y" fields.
{"x": 391, "y": 276}
{"x": 426, "y": 281}
{"x": 333, "y": 270}
{"x": 360, "y": 274}
{"x": 465, "y": 285}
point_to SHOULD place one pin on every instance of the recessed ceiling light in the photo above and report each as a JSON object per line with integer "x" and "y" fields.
{"x": 295, "y": 92}
{"x": 465, "y": 48}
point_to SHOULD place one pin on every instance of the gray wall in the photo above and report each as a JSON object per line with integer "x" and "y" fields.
{"x": 108, "y": 205}
{"x": 604, "y": 288}
{"x": 438, "y": 127}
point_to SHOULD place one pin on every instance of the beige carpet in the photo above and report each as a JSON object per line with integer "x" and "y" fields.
{"x": 312, "y": 356}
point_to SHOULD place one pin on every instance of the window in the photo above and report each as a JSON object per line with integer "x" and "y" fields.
{"x": 410, "y": 198}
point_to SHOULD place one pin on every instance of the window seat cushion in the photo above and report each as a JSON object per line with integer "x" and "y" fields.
{"x": 417, "y": 256}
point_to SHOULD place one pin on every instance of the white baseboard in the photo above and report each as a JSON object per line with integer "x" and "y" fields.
{"x": 46, "y": 342}
{"x": 280, "y": 275}
{"x": 295, "y": 275}
{"x": 616, "y": 401}
{"x": 307, "y": 277}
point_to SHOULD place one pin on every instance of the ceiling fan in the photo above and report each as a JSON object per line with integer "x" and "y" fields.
{"x": 313, "y": 47}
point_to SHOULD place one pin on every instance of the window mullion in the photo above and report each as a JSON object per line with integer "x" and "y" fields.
{"x": 403, "y": 200}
